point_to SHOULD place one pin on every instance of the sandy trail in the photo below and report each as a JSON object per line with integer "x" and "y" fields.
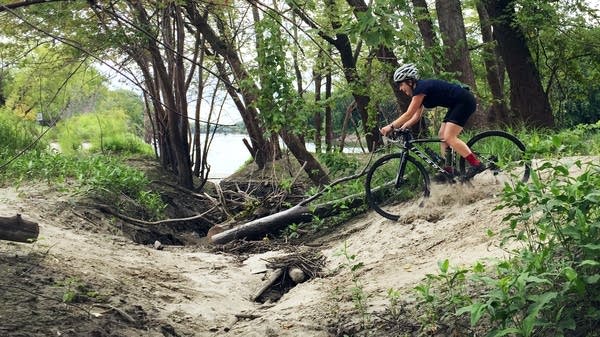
{"x": 191, "y": 291}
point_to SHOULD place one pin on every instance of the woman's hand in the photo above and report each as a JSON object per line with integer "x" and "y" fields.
{"x": 386, "y": 129}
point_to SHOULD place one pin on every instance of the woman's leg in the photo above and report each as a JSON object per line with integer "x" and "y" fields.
{"x": 443, "y": 144}
{"x": 449, "y": 133}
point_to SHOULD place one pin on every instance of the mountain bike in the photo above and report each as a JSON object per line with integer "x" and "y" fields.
{"x": 402, "y": 175}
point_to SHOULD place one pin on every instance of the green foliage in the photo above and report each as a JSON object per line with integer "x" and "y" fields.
{"x": 359, "y": 297}
{"x": 280, "y": 105}
{"x": 50, "y": 84}
{"x": 441, "y": 295}
{"x": 16, "y": 134}
{"x": 76, "y": 291}
{"x": 106, "y": 178}
{"x": 582, "y": 139}
{"x": 562, "y": 38}
{"x": 550, "y": 286}
{"x": 108, "y": 131}
{"x": 128, "y": 102}
{"x": 338, "y": 163}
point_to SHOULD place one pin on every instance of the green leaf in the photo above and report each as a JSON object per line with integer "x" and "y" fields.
{"x": 476, "y": 309}
{"x": 570, "y": 273}
{"x": 503, "y": 332}
{"x": 593, "y": 197}
{"x": 357, "y": 266}
{"x": 592, "y": 246}
{"x": 443, "y": 265}
{"x": 593, "y": 279}
{"x": 531, "y": 320}
{"x": 592, "y": 263}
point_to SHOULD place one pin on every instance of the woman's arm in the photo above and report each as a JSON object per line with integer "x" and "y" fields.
{"x": 414, "y": 119}
{"x": 412, "y": 114}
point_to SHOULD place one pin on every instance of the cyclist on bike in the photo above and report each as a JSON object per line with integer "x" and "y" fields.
{"x": 429, "y": 93}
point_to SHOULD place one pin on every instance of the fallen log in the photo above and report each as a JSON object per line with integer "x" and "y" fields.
{"x": 15, "y": 228}
{"x": 257, "y": 228}
{"x": 300, "y": 213}
{"x": 297, "y": 214}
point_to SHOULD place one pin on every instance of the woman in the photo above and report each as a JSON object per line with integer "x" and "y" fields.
{"x": 432, "y": 93}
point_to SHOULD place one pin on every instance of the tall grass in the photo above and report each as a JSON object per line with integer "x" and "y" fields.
{"x": 24, "y": 158}
{"x": 105, "y": 178}
{"x": 582, "y": 139}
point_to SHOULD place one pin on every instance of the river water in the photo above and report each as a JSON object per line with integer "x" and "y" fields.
{"x": 227, "y": 153}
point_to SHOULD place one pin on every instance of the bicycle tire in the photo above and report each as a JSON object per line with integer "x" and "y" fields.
{"x": 381, "y": 193}
{"x": 503, "y": 154}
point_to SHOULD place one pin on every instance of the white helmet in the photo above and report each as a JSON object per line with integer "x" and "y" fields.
{"x": 406, "y": 72}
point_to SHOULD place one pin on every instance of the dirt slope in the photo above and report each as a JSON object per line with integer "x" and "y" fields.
{"x": 191, "y": 291}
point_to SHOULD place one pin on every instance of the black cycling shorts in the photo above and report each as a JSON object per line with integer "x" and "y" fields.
{"x": 463, "y": 109}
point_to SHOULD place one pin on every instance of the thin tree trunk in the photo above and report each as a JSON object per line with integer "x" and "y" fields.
{"x": 498, "y": 113}
{"x": 318, "y": 76}
{"x": 175, "y": 109}
{"x": 427, "y": 30}
{"x": 261, "y": 147}
{"x": 328, "y": 110}
{"x": 312, "y": 167}
{"x": 454, "y": 36}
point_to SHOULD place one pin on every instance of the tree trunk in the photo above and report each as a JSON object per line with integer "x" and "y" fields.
{"x": 170, "y": 85}
{"x": 315, "y": 171}
{"x": 426, "y": 28}
{"x": 342, "y": 43}
{"x": 527, "y": 97}
{"x": 498, "y": 111}
{"x": 262, "y": 148}
{"x": 318, "y": 76}
{"x": 275, "y": 222}
{"x": 328, "y": 110}
{"x": 454, "y": 36}
{"x": 17, "y": 229}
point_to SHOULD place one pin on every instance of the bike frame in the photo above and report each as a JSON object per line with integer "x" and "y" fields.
{"x": 411, "y": 144}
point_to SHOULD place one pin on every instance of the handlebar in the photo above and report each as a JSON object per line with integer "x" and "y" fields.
{"x": 400, "y": 134}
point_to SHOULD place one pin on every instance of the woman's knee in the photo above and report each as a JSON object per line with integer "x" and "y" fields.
{"x": 450, "y": 139}
{"x": 441, "y": 132}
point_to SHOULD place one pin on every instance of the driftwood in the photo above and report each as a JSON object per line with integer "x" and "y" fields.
{"x": 17, "y": 229}
{"x": 271, "y": 223}
{"x": 297, "y": 214}
{"x": 276, "y": 275}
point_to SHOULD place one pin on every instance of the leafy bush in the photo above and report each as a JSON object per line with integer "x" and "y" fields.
{"x": 582, "y": 139}
{"x": 104, "y": 177}
{"x": 550, "y": 287}
{"x": 105, "y": 132}
{"x": 339, "y": 163}
{"x": 16, "y": 134}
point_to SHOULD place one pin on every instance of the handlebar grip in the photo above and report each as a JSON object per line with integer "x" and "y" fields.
{"x": 400, "y": 133}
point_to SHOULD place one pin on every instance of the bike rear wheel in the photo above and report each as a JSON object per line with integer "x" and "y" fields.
{"x": 385, "y": 192}
{"x": 503, "y": 154}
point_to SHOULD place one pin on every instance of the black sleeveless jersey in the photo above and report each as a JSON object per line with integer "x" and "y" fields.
{"x": 439, "y": 93}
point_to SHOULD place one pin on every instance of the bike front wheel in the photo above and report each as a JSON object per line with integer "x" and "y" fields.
{"x": 503, "y": 155}
{"x": 386, "y": 189}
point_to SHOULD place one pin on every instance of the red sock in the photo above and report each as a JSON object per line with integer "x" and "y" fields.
{"x": 472, "y": 160}
{"x": 448, "y": 169}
